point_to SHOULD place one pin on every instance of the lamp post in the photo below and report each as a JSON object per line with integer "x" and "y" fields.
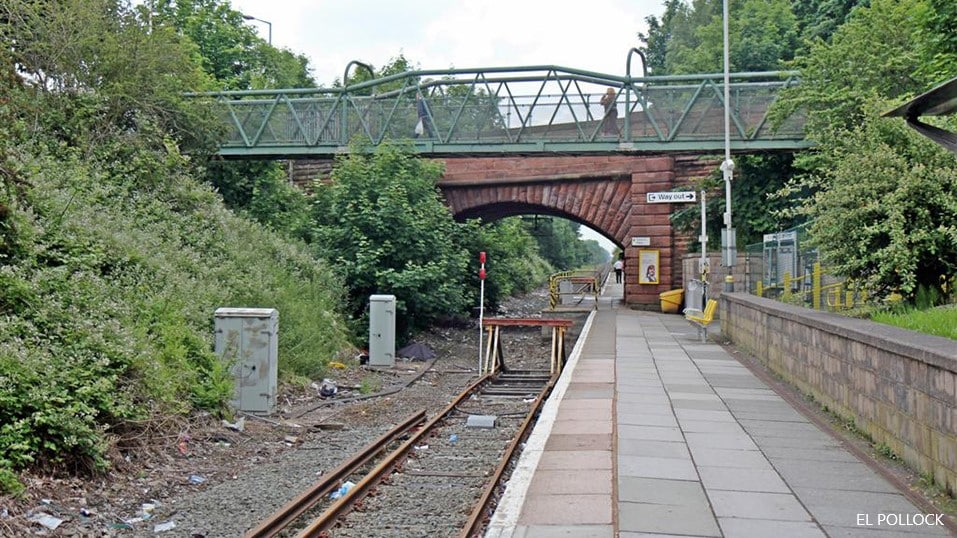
{"x": 728, "y": 246}
{"x": 269, "y": 24}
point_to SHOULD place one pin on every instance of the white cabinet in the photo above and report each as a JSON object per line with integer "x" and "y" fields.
{"x": 382, "y": 330}
{"x": 248, "y": 340}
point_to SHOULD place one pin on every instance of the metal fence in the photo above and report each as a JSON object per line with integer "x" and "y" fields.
{"x": 781, "y": 268}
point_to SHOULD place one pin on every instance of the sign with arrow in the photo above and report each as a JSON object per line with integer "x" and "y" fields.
{"x": 676, "y": 197}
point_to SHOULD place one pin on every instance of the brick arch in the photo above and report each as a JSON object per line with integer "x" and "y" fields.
{"x": 605, "y": 193}
{"x": 602, "y": 204}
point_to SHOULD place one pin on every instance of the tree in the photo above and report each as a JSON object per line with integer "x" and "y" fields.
{"x": 818, "y": 19}
{"x": 229, "y": 48}
{"x": 560, "y": 245}
{"x": 383, "y": 224}
{"x": 940, "y": 24}
{"x": 515, "y": 264}
{"x": 660, "y": 34}
{"x": 882, "y": 199}
{"x": 100, "y": 74}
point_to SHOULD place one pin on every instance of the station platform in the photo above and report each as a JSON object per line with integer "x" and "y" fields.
{"x": 652, "y": 433}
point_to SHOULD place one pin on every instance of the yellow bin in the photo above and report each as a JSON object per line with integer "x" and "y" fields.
{"x": 671, "y": 300}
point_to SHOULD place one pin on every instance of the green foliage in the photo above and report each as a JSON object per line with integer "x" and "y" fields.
{"x": 390, "y": 233}
{"x": 754, "y": 212}
{"x": 261, "y": 191}
{"x": 882, "y": 198}
{"x": 690, "y": 39}
{"x": 229, "y": 48}
{"x": 939, "y": 321}
{"x": 559, "y": 244}
{"x": 873, "y": 55}
{"x": 818, "y": 19}
{"x": 10, "y": 484}
{"x": 112, "y": 298}
{"x": 940, "y": 33}
{"x": 66, "y": 49}
{"x": 514, "y": 264}
{"x": 887, "y": 211}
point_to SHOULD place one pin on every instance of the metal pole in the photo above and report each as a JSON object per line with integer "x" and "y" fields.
{"x": 728, "y": 239}
{"x": 481, "y": 306}
{"x": 704, "y": 235}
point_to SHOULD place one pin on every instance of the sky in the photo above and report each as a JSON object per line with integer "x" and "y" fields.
{"x": 594, "y": 35}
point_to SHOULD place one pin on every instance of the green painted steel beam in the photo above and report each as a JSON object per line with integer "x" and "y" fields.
{"x": 525, "y": 109}
{"x": 716, "y": 146}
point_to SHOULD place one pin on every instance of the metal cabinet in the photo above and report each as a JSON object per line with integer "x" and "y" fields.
{"x": 248, "y": 339}
{"x": 382, "y": 330}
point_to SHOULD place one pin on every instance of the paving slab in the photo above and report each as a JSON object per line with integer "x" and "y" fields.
{"x": 661, "y": 491}
{"x": 652, "y": 467}
{"x": 736, "y": 479}
{"x": 664, "y": 436}
{"x": 757, "y": 505}
{"x": 763, "y": 528}
{"x": 667, "y": 519}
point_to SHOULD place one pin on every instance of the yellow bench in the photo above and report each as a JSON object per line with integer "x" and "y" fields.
{"x": 705, "y": 319}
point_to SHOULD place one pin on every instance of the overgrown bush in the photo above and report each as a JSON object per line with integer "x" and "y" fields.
{"x": 108, "y": 303}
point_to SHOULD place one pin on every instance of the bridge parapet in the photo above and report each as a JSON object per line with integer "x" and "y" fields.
{"x": 529, "y": 109}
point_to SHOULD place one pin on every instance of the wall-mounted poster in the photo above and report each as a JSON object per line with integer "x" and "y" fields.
{"x": 647, "y": 266}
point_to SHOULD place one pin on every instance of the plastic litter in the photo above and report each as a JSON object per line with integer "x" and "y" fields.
{"x": 328, "y": 388}
{"x": 165, "y": 526}
{"x": 46, "y": 520}
{"x": 239, "y": 425}
{"x": 196, "y": 479}
{"x": 346, "y": 486}
{"x": 453, "y": 438}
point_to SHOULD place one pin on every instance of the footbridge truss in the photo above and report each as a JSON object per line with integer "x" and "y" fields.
{"x": 502, "y": 110}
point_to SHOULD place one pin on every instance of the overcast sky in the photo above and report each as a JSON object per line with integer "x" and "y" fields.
{"x": 595, "y": 35}
{"x": 437, "y": 34}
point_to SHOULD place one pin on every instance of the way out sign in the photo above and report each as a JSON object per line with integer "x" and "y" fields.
{"x": 671, "y": 197}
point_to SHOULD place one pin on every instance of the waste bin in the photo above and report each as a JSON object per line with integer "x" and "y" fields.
{"x": 671, "y": 300}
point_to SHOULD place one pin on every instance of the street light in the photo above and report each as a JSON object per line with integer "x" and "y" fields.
{"x": 728, "y": 246}
{"x": 251, "y": 18}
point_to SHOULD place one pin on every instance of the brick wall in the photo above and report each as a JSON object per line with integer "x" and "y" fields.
{"x": 898, "y": 385}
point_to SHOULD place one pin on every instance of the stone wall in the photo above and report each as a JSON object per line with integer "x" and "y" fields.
{"x": 898, "y": 385}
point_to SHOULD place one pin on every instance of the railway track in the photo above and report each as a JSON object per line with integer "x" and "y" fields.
{"x": 424, "y": 478}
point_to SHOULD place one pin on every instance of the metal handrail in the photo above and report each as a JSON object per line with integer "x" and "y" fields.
{"x": 505, "y": 109}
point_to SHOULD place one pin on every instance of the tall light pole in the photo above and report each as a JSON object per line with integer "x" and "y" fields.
{"x": 269, "y": 24}
{"x": 728, "y": 246}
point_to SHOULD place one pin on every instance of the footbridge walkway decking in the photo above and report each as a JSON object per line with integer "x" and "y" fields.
{"x": 652, "y": 433}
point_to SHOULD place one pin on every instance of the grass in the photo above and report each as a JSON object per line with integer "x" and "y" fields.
{"x": 940, "y": 321}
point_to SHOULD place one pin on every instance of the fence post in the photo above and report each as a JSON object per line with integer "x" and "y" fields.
{"x": 816, "y": 286}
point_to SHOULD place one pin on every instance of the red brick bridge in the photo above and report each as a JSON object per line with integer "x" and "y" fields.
{"x": 605, "y": 193}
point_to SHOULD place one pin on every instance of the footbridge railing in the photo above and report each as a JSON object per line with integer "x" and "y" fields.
{"x": 527, "y": 109}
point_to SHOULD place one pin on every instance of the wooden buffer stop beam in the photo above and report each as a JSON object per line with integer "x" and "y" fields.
{"x": 493, "y": 360}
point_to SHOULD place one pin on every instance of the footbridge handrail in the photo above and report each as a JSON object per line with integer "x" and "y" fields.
{"x": 536, "y": 108}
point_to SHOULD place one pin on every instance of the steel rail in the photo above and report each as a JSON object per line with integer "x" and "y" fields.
{"x": 478, "y": 516}
{"x": 328, "y": 518}
{"x": 281, "y": 518}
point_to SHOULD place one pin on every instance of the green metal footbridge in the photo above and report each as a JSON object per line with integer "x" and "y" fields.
{"x": 510, "y": 110}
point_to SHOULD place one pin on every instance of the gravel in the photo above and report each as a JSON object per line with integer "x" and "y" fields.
{"x": 202, "y": 479}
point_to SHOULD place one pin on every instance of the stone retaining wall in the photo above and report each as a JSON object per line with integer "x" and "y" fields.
{"x": 897, "y": 385}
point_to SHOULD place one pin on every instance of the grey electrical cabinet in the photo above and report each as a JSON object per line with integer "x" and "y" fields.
{"x": 248, "y": 340}
{"x": 382, "y": 330}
